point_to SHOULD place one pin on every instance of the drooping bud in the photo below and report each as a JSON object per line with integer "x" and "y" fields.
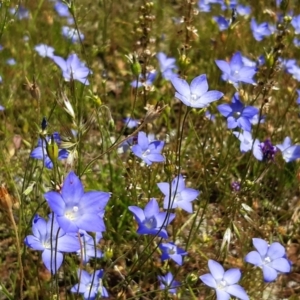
{"x": 44, "y": 123}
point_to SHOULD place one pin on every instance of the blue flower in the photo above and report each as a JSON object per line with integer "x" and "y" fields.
{"x": 170, "y": 250}
{"x": 149, "y": 152}
{"x": 243, "y": 10}
{"x": 235, "y": 71}
{"x": 237, "y": 114}
{"x": 224, "y": 283}
{"x": 289, "y": 152}
{"x": 247, "y": 143}
{"x": 296, "y": 42}
{"x": 44, "y": 50}
{"x": 88, "y": 250}
{"x": 222, "y": 22}
{"x": 260, "y": 31}
{"x": 167, "y": 282}
{"x": 73, "y": 68}
{"x": 147, "y": 83}
{"x": 151, "y": 220}
{"x": 204, "y": 5}
{"x": 195, "y": 95}
{"x": 298, "y": 99}
{"x": 90, "y": 285}
{"x": 75, "y": 209}
{"x": 166, "y": 65}
{"x": 270, "y": 258}
{"x": 288, "y": 64}
{"x": 130, "y": 122}
{"x": 40, "y": 151}
{"x": 1, "y": 108}
{"x": 21, "y": 12}
{"x": 177, "y": 195}
{"x": 62, "y": 9}
{"x": 210, "y": 116}
{"x": 48, "y": 237}
{"x": 296, "y": 24}
{"x": 11, "y": 61}
{"x": 72, "y": 34}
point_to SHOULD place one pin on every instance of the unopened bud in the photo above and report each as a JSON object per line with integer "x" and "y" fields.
{"x": 52, "y": 150}
{"x": 192, "y": 278}
{"x": 135, "y": 66}
{"x": 184, "y": 61}
{"x": 108, "y": 253}
{"x": 44, "y": 123}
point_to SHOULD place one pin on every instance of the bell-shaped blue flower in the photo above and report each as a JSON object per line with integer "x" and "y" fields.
{"x": 151, "y": 220}
{"x": 270, "y": 258}
{"x": 195, "y": 95}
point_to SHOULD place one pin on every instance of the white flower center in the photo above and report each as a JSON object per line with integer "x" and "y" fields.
{"x": 172, "y": 251}
{"x": 150, "y": 223}
{"x": 267, "y": 260}
{"x": 235, "y": 73}
{"x": 71, "y": 214}
{"x": 237, "y": 114}
{"x": 176, "y": 198}
{"x": 146, "y": 153}
{"x": 193, "y": 98}
{"x": 221, "y": 285}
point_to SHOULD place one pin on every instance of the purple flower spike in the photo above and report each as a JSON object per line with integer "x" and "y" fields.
{"x": 90, "y": 285}
{"x": 76, "y": 209}
{"x": 237, "y": 114}
{"x": 149, "y": 152}
{"x": 73, "y": 68}
{"x": 235, "y": 71}
{"x": 289, "y": 152}
{"x": 224, "y": 283}
{"x": 270, "y": 258}
{"x": 151, "y": 220}
{"x": 170, "y": 250}
{"x": 180, "y": 196}
{"x": 196, "y": 94}
{"x": 47, "y": 237}
{"x": 268, "y": 150}
{"x": 167, "y": 282}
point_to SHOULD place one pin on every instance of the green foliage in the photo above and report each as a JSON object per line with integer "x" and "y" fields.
{"x": 90, "y": 121}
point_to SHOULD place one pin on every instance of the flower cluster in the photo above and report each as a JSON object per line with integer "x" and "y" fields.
{"x": 74, "y": 213}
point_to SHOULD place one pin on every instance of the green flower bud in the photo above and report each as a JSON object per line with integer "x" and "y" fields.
{"x": 52, "y": 150}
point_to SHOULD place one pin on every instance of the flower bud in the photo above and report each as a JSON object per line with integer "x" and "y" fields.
{"x": 135, "y": 66}
{"x": 108, "y": 253}
{"x": 52, "y": 150}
